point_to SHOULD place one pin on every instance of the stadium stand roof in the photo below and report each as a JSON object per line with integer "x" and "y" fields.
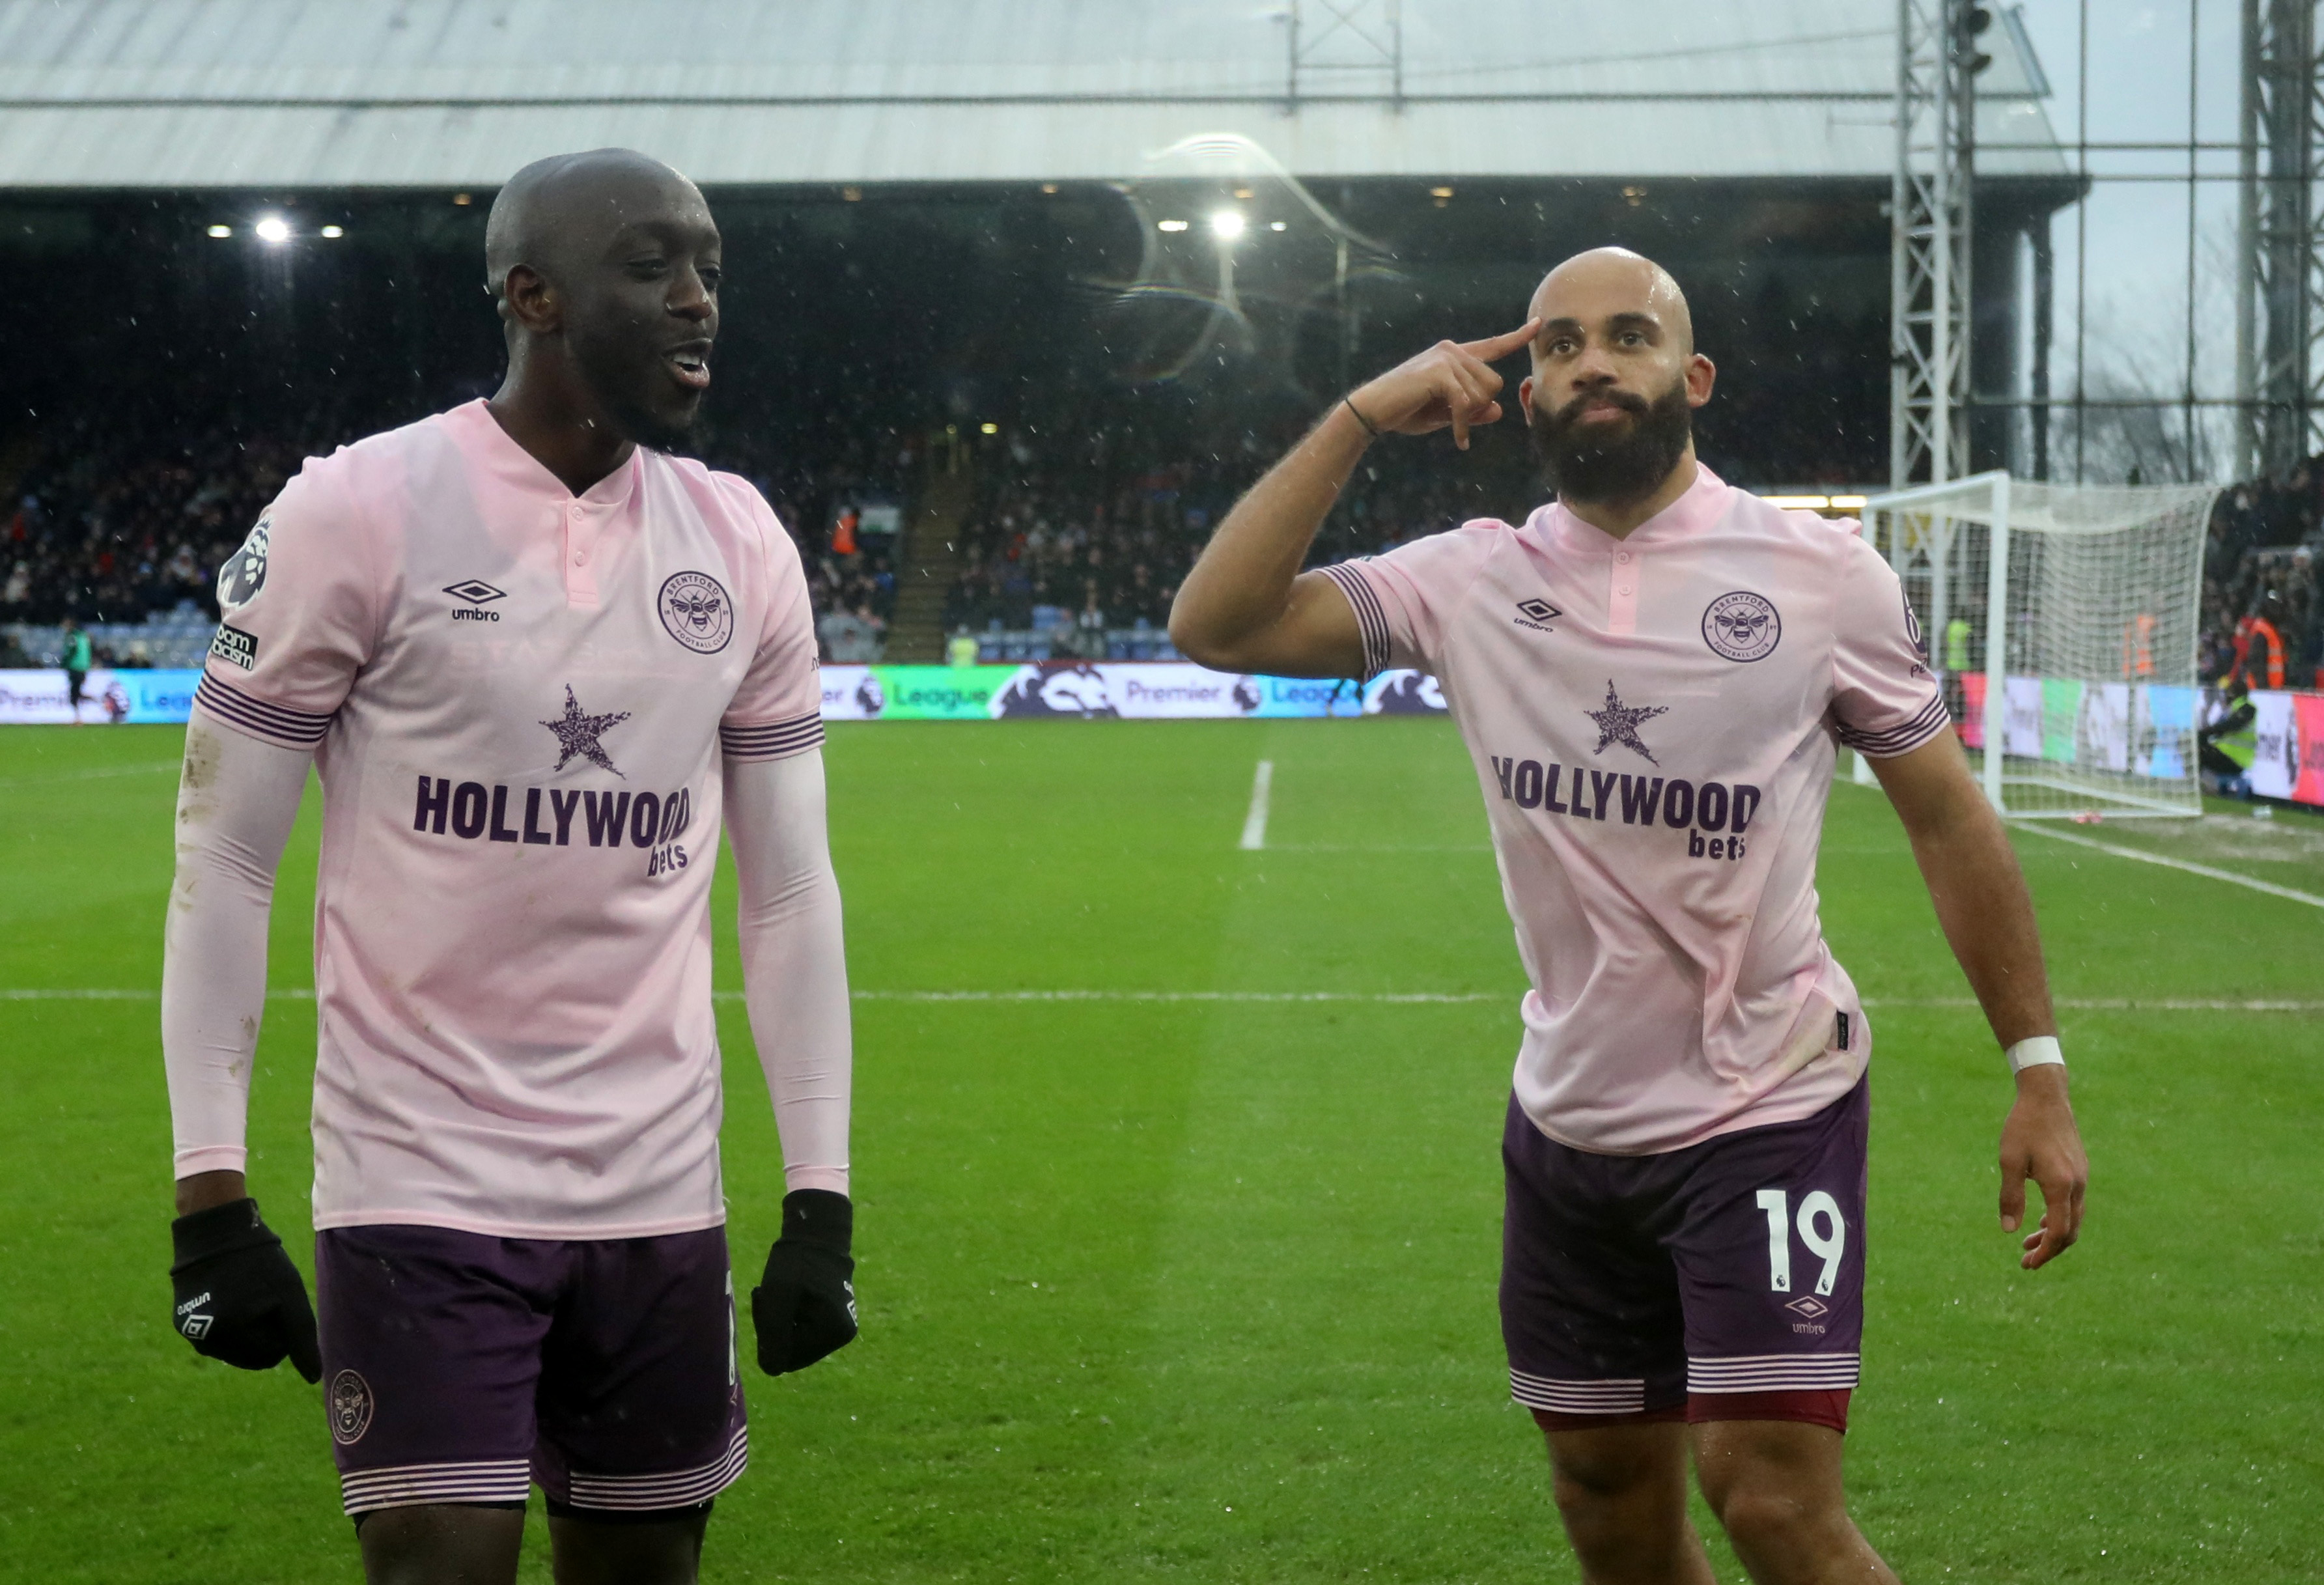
{"x": 193, "y": 94}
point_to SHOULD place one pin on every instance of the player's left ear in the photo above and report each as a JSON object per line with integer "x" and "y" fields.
{"x": 529, "y": 300}
{"x": 1700, "y": 373}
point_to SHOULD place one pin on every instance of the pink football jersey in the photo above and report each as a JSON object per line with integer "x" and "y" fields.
{"x": 1654, "y": 722}
{"x": 518, "y": 700}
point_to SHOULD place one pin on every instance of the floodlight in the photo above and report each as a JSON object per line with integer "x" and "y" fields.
{"x": 221, "y": 231}
{"x": 1277, "y": 225}
{"x": 1170, "y": 225}
{"x": 335, "y": 232}
{"x": 1227, "y": 224}
{"x": 989, "y": 428}
{"x": 274, "y": 229}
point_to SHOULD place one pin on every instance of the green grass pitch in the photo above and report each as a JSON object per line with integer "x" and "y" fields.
{"x": 1204, "y": 1289}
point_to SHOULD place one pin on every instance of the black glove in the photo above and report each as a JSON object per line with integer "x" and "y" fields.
{"x": 805, "y": 1306}
{"x": 239, "y": 1298}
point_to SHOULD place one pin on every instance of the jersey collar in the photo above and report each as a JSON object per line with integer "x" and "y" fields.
{"x": 1704, "y": 504}
{"x": 519, "y": 469}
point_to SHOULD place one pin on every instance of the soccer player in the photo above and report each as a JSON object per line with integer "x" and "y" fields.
{"x": 1652, "y": 674}
{"x": 540, "y": 663}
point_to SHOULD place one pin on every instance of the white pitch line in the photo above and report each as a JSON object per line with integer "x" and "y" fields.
{"x": 1373, "y": 995}
{"x": 149, "y": 768}
{"x": 2159, "y": 1004}
{"x": 1254, "y": 825}
{"x": 2229, "y": 876}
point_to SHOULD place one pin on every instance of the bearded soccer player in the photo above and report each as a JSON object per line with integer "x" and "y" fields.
{"x": 540, "y": 662}
{"x": 1653, "y": 674}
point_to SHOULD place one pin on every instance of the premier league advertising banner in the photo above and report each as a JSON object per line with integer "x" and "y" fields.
{"x": 1111, "y": 690}
{"x": 2141, "y": 729}
{"x": 42, "y": 698}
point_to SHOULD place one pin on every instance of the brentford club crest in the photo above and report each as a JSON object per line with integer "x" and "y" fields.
{"x": 351, "y": 1407}
{"x": 1742, "y": 626}
{"x": 696, "y": 611}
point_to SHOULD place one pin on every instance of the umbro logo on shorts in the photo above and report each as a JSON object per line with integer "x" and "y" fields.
{"x": 478, "y": 594}
{"x": 1533, "y": 613}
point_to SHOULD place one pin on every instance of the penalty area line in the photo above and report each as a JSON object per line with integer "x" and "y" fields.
{"x": 2206, "y": 870}
{"x": 1254, "y": 824}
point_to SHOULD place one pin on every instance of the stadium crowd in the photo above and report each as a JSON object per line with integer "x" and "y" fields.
{"x": 1072, "y": 533}
{"x": 2264, "y": 584}
{"x": 1094, "y": 533}
{"x": 114, "y": 521}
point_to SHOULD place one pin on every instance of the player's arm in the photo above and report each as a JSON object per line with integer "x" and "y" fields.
{"x": 1246, "y": 606}
{"x": 795, "y": 985}
{"x": 1988, "y": 916}
{"x": 237, "y": 1297}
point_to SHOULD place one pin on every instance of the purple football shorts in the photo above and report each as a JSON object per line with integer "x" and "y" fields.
{"x": 459, "y": 1367}
{"x": 1720, "y": 1282}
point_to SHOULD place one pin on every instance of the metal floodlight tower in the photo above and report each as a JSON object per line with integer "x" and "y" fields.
{"x": 2280, "y": 299}
{"x": 1937, "y": 63}
{"x": 1351, "y": 48}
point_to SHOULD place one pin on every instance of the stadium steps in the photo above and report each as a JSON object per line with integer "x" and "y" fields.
{"x": 916, "y": 636}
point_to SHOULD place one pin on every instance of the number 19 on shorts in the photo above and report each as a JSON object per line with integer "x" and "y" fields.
{"x": 1820, "y": 1229}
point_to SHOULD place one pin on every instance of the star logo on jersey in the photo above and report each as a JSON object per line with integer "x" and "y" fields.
{"x": 1618, "y": 723}
{"x": 577, "y": 734}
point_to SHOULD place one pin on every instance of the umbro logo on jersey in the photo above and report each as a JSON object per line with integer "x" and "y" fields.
{"x": 1535, "y": 613}
{"x": 478, "y": 594}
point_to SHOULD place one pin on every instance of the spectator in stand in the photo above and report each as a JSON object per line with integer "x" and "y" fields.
{"x": 2260, "y": 601}
{"x": 76, "y": 663}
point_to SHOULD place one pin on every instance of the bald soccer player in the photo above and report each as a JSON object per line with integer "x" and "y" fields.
{"x": 1653, "y": 674}
{"x": 540, "y": 663}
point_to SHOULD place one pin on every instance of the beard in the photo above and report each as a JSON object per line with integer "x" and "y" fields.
{"x": 624, "y": 390}
{"x": 1618, "y": 469}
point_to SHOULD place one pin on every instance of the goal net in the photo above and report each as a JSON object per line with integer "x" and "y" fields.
{"x": 2061, "y": 619}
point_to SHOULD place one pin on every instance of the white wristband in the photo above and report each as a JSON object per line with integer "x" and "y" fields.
{"x": 2040, "y": 1052}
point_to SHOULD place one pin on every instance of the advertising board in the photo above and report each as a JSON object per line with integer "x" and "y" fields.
{"x": 41, "y": 697}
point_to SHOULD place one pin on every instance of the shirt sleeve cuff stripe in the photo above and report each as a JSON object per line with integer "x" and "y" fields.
{"x": 295, "y": 728}
{"x": 1371, "y": 621}
{"x": 773, "y": 740}
{"x": 1933, "y": 719}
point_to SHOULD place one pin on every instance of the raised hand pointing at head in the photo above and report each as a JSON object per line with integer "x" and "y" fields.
{"x": 1453, "y": 383}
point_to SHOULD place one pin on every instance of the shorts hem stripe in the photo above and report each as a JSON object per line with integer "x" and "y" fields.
{"x": 1773, "y": 1373}
{"x": 680, "y": 1489}
{"x": 410, "y": 1485}
{"x": 1608, "y": 1395}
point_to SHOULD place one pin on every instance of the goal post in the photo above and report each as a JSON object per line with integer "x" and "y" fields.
{"x": 2082, "y": 697}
